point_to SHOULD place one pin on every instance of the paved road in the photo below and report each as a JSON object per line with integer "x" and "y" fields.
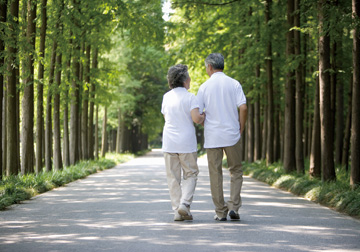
{"x": 127, "y": 208}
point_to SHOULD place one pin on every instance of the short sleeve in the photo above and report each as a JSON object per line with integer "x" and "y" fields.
{"x": 193, "y": 102}
{"x": 200, "y": 99}
{"x": 163, "y": 106}
{"x": 240, "y": 96}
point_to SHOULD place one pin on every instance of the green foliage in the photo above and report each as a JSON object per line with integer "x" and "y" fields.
{"x": 14, "y": 189}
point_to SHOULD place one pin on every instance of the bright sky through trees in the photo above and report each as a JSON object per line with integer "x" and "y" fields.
{"x": 166, "y": 9}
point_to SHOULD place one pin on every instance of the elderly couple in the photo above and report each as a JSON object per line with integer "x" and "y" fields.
{"x": 225, "y": 112}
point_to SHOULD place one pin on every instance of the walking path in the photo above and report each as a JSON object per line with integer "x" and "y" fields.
{"x": 127, "y": 208}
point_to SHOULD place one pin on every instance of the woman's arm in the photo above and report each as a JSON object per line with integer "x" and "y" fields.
{"x": 197, "y": 117}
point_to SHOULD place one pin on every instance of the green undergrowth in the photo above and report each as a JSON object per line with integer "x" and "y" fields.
{"x": 14, "y": 189}
{"x": 337, "y": 195}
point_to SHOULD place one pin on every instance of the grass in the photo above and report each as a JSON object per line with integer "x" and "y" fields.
{"x": 337, "y": 195}
{"x": 14, "y": 189}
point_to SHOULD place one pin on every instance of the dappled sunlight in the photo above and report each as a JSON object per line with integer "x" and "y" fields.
{"x": 129, "y": 207}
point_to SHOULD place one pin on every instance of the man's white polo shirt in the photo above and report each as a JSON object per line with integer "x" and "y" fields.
{"x": 221, "y": 96}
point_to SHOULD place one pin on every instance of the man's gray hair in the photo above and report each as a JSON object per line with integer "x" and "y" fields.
{"x": 216, "y": 60}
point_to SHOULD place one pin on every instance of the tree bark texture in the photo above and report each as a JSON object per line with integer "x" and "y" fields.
{"x": 250, "y": 132}
{"x": 355, "y": 118}
{"x": 118, "y": 138}
{"x": 299, "y": 148}
{"x": 91, "y": 106}
{"x": 97, "y": 133}
{"x": 346, "y": 147}
{"x": 12, "y": 158}
{"x": 58, "y": 165}
{"x": 289, "y": 128}
{"x": 3, "y": 13}
{"x": 85, "y": 107}
{"x": 40, "y": 89}
{"x": 75, "y": 101}
{"x": 270, "y": 94}
{"x": 339, "y": 119}
{"x": 104, "y": 143}
{"x": 315, "y": 153}
{"x": 327, "y": 155}
{"x": 257, "y": 128}
{"x": 27, "y": 133}
{"x": 48, "y": 119}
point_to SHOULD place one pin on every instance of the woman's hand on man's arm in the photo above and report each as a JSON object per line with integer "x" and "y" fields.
{"x": 197, "y": 117}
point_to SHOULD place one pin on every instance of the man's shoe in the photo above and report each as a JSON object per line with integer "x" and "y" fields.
{"x": 177, "y": 216}
{"x": 234, "y": 215}
{"x": 217, "y": 218}
{"x": 184, "y": 211}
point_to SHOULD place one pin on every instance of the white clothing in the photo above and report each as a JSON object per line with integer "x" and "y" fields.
{"x": 179, "y": 131}
{"x": 221, "y": 96}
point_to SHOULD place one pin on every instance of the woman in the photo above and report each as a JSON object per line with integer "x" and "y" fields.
{"x": 180, "y": 109}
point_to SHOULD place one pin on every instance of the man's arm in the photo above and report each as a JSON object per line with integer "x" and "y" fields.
{"x": 242, "y": 117}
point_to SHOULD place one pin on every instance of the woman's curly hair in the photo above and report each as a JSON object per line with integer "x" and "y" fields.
{"x": 177, "y": 75}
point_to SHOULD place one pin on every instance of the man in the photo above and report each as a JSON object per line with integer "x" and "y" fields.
{"x": 224, "y": 102}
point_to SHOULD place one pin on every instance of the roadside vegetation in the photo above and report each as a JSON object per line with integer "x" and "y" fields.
{"x": 337, "y": 195}
{"x": 14, "y": 189}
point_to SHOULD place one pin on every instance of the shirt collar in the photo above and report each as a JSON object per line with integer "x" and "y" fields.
{"x": 217, "y": 73}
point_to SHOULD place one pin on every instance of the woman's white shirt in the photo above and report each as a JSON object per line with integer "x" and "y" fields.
{"x": 179, "y": 131}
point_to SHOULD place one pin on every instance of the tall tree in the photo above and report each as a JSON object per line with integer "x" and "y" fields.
{"x": 327, "y": 155}
{"x": 104, "y": 143}
{"x": 3, "y": 13}
{"x": 315, "y": 152}
{"x": 12, "y": 157}
{"x": 40, "y": 88}
{"x": 85, "y": 107}
{"x": 27, "y": 133}
{"x": 289, "y": 141}
{"x": 48, "y": 119}
{"x": 299, "y": 148}
{"x": 355, "y": 125}
{"x": 74, "y": 109}
{"x": 57, "y": 134}
{"x": 270, "y": 92}
{"x": 91, "y": 141}
{"x": 58, "y": 164}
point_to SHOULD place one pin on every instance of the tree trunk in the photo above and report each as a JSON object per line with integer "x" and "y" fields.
{"x": 264, "y": 134}
{"x": 299, "y": 148}
{"x": 118, "y": 139}
{"x": 85, "y": 107}
{"x": 74, "y": 113}
{"x": 355, "y": 122}
{"x": 3, "y": 13}
{"x": 346, "y": 148}
{"x": 40, "y": 89}
{"x": 270, "y": 95}
{"x": 289, "y": 128}
{"x": 315, "y": 154}
{"x": 58, "y": 165}
{"x": 91, "y": 108}
{"x": 74, "y": 106}
{"x": 48, "y": 119}
{"x": 104, "y": 144}
{"x": 327, "y": 156}
{"x": 4, "y": 129}
{"x": 257, "y": 127}
{"x": 97, "y": 133}
{"x": 250, "y": 131}
{"x": 12, "y": 157}
{"x": 339, "y": 113}
{"x": 27, "y": 133}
